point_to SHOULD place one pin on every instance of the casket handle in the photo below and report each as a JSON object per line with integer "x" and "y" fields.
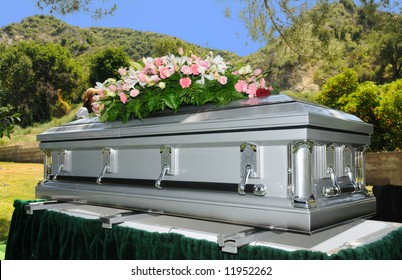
{"x": 64, "y": 158}
{"x": 104, "y": 170}
{"x": 247, "y": 172}
{"x": 61, "y": 166}
{"x": 164, "y": 171}
{"x": 335, "y": 189}
{"x": 358, "y": 187}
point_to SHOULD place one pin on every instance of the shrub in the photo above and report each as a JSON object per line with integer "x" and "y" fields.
{"x": 362, "y": 103}
{"x": 389, "y": 115}
{"x": 105, "y": 64}
{"x": 337, "y": 88}
{"x": 380, "y": 106}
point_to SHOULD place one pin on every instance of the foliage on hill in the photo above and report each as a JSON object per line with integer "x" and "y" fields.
{"x": 37, "y": 79}
{"x": 84, "y": 41}
{"x": 331, "y": 37}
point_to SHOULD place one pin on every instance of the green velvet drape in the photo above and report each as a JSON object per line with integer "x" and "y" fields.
{"x": 52, "y": 235}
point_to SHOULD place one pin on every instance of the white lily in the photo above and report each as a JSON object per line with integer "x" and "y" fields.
{"x": 245, "y": 70}
{"x": 217, "y": 60}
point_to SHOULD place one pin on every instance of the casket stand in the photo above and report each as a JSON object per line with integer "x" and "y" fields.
{"x": 65, "y": 235}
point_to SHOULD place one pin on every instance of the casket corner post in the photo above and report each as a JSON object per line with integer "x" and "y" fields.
{"x": 301, "y": 188}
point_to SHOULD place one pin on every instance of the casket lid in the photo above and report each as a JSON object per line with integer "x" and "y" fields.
{"x": 275, "y": 111}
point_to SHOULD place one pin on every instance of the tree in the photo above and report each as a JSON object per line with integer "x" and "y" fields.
{"x": 389, "y": 114}
{"x": 264, "y": 19}
{"x": 363, "y": 103}
{"x": 64, "y": 7}
{"x": 387, "y": 46}
{"x": 31, "y": 74}
{"x": 7, "y": 121}
{"x": 380, "y": 106}
{"x": 168, "y": 45}
{"x": 105, "y": 64}
{"x": 267, "y": 19}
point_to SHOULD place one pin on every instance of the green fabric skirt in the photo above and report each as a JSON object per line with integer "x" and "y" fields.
{"x": 52, "y": 235}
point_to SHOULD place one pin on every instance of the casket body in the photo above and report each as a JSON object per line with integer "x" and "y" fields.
{"x": 281, "y": 163}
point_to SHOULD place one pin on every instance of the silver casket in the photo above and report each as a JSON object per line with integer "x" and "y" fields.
{"x": 280, "y": 164}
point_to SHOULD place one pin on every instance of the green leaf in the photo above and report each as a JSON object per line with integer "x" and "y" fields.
{"x": 171, "y": 101}
{"x": 136, "y": 65}
{"x": 113, "y": 113}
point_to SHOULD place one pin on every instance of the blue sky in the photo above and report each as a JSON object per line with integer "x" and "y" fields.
{"x": 201, "y": 22}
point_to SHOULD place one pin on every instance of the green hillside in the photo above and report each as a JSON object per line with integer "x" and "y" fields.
{"x": 45, "y": 79}
{"x": 84, "y": 41}
{"x": 330, "y": 38}
{"x": 327, "y": 38}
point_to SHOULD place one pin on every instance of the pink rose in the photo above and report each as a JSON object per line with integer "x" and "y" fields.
{"x": 194, "y": 69}
{"x": 262, "y": 82}
{"x": 165, "y": 72}
{"x": 142, "y": 77}
{"x": 122, "y": 71}
{"x": 123, "y": 97}
{"x": 204, "y": 63}
{"x": 181, "y": 51}
{"x": 186, "y": 70}
{"x": 155, "y": 78}
{"x": 241, "y": 86}
{"x": 150, "y": 69}
{"x": 257, "y": 72}
{"x": 125, "y": 87}
{"x": 223, "y": 80}
{"x": 134, "y": 92}
{"x": 252, "y": 89}
{"x": 158, "y": 61}
{"x": 185, "y": 82}
{"x": 112, "y": 88}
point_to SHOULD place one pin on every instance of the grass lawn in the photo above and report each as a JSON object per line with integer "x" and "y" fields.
{"x": 2, "y": 250}
{"x": 17, "y": 181}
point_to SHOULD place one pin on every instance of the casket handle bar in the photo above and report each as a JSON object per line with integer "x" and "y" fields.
{"x": 64, "y": 162}
{"x": 168, "y": 164}
{"x": 164, "y": 171}
{"x": 357, "y": 186}
{"x": 109, "y": 160}
{"x": 335, "y": 189}
{"x": 61, "y": 166}
{"x": 243, "y": 182}
{"x": 102, "y": 174}
{"x": 250, "y": 168}
{"x": 338, "y": 188}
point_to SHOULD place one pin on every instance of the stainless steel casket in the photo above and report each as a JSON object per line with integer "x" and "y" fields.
{"x": 282, "y": 164}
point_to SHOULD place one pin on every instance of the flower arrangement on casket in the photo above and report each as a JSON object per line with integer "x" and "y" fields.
{"x": 171, "y": 81}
